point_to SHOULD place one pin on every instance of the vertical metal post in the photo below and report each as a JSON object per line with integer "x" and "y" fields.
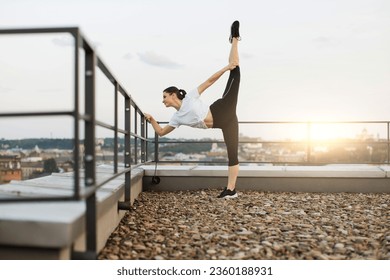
{"x": 156, "y": 148}
{"x": 128, "y": 149}
{"x": 147, "y": 140}
{"x": 125, "y": 205}
{"x": 76, "y": 118}
{"x": 90, "y": 159}
{"x": 308, "y": 139}
{"x": 136, "y": 133}
{"x": 128, "y": 129}
{"x": 116, "y": 127}
{"x": 143, "y": 141}
{"x": 388, "y": 142}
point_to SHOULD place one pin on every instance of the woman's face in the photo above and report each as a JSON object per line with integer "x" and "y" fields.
{"x": 168, "y": 99}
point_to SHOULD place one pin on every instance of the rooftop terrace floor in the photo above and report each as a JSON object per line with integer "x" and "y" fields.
{"x": 256, "y": 225}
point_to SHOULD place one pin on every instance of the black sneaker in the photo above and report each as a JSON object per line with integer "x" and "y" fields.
{"x": 228, "y": 193}
{"x": 234, "y": 31}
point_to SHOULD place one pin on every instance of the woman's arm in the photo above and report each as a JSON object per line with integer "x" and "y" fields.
{"x": 161, "y": 131}
{"x": 215, "y": 77}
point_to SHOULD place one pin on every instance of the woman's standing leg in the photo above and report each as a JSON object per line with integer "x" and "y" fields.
{"x": 230, "y": 134}
{"x": 230, "y": 128}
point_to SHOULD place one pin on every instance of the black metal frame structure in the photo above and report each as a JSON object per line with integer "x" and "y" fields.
{"x": 87, "y": 192}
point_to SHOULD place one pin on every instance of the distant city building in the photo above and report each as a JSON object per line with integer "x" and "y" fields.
{"x": 364, "y": 135}
{"x": 10, "y": 168}
{"x": 29, "y": 168}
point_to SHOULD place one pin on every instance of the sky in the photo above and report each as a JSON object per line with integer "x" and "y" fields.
{"x": 301, "y": 60}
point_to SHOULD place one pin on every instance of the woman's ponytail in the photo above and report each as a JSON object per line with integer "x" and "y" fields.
{"x": 180, "y": 93}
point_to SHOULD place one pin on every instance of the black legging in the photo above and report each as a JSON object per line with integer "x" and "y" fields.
{"x": 225, "y": 117}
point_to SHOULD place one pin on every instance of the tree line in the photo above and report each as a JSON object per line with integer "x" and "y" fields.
{"x": 68, "y": 144}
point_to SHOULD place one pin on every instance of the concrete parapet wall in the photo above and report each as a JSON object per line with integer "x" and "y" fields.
{"x": 330, "y": 178}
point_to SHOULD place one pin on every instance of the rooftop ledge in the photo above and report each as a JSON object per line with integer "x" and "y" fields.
{"x": 51, "y": 230}
{"x": 334, "y": 170}
{"x": 329, "y": 178}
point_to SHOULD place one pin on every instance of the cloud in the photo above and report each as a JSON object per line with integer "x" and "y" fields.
{"x": 66, "y": 41}
{"x": 5, "y": 89}
{"x": 128, "y": 56}
{"x": 158, "y": 60}
{"x": 247, "y": 55}
{"x": 63, "y": 41}
{"x": 323, "y": 41}
{"x": 49, "y": 90}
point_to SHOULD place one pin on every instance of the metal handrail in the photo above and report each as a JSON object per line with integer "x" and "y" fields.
{"x": 308, "y": 142}
{"x": 91, "y": 186}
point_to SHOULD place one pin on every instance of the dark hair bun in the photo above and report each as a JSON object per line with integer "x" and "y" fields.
{"x": 182, "y": 93}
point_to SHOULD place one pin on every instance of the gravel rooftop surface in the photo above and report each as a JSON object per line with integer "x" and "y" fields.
{"x": 256, "y": 225}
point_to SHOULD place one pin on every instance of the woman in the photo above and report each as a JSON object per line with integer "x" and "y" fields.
{"x": 191, "y": 111}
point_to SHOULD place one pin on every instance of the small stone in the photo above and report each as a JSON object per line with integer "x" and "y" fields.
{"x": 244, "y": 232}
{"x": 128, "y": 243}
{"x": 303, "y": 236}
{"x": 360, "y": 239}
{"x": 299, "y": 212}
{"x": 318, "y": 255}
{"x": 286, "y": 228}
{"x": 196, "y": 237}
{"x": 139, "y": 247}
{"x": 255, "y": 250}
{"x": 266, "y": 243}
{"x": 239, "y": 256}
{"x": 113, "y": 257}
{"x": 304, "y": 225}
{"x": 159, "y": 238}
{"x": 269, "y": 252}
{"x": 117, "y": 238}
{"x": 343, "y": 231}
{"x": 350, "y": 248}
{"x": 277, "y": 247}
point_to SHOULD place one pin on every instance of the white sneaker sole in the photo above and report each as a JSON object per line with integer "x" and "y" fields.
{"x": 231, "y": 196}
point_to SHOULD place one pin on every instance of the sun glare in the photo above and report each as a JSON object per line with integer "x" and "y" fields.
{"x": 330, "y": 132}
{"x": 339, "y": 131}
{"x": 326, "y": 132}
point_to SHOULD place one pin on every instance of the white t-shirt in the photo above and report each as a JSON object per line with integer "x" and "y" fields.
{"x": 192, "y": 111}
